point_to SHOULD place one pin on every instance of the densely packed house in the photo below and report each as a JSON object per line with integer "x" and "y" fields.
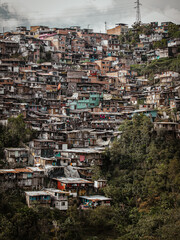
{"x": 75, "y": 87}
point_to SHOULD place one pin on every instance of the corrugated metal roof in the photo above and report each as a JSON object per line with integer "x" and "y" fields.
{"x": 22, "y": 170}
{"x": 37, "y": 193}
{"x": 36, "y": 169}
{"x": 53, "y": 190}
{"x": 72, "y": 180}
{"x": 96, "y": 198}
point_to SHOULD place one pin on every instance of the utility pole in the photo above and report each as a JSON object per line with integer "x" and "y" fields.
{"x": 138, "y": 12}
{"x": 105, "y": 26}
{"x": 2, "y": 20}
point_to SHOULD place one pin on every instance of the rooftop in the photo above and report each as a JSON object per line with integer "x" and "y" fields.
{"x": 96, "y": 198}
{"x": 37, "y": 193}
{"x": 84, "y": 150}
{"x": 53, "y": 190}
{"x": 72, "y": 180}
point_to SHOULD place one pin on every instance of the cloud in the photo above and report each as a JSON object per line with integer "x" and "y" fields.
{"x": 101, "y": 5}
{"x": 64, "y": 13}
{"x": 10, "y": 18}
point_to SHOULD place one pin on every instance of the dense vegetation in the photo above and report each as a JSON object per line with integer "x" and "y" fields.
{"x": 14, "y": 134}
{"x": 149, "y": 69}
{"x": 143, "y": 172}
{"x": 157, "y": 66}
{"x": 143, "y": 168}
{"x": 132, "y": 35}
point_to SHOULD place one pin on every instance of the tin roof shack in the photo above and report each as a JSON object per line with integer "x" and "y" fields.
{"x": 83, "y": 156}
{"x": 173, "y": 45}
{"x": 175, "y": 104}
{"x": 78, "y": 45}
{"x": 109, "y": 116}
{"x": 93, "y": 84}
{"x": 37, "y": 177}
{"x": 38, "y": 198}
{"x": 24, "y": 177}
{"x": 162, "y": 53}
{"x": 42, "y": 148}
{"x": 8, "y": 84}
{"x": 92, "y": 67}
{"x": 151, "y": 113}
{"x": 114, "y": 46}
{"x": 79, "y": 138}
{"x": 59, "y": 198}
{"x": 53, "y": 131}
{"x": 154, "y": 98}
{"x": 75, "y": 186}
{"x": 98, "y": 184}
{"x": 87, "y": 202}
{"x": 8, "y": 48}
{"x": 106, "y": 120}
{"x": 104, "y": 65}
{"x": 7, "y": 177}
{"x": 106, "y": 124}
{"x": 85, "y": 100}
{"x": 101, "y": 138}
{"x": 167, "y": 78}
{"x": 167, "y": 126}
{"x": 16, "y": 156}
{"x": 73, "y": 77}
{"x": 62, "y": 160}
{"x": 47, "y": 161}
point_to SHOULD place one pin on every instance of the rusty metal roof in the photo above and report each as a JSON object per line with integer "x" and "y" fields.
{"x": 22, "y": 170}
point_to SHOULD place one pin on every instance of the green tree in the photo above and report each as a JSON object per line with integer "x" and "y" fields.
{"x": 17, "y": 132}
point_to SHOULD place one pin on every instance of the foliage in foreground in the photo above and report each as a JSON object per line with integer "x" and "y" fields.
{"x": 143, "y": 172}
{"x": 143, "y": 168}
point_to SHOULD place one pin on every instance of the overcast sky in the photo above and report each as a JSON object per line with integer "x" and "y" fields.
{"x": 62, "y": 13}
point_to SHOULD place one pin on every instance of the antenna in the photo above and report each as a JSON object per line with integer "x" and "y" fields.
{"x": 138, "y": 12}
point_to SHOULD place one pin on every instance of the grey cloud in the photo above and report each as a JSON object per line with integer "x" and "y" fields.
{"x": 6, "y": 13}
{"x": 63, "y": 13}
{"x": 10, "y": 17}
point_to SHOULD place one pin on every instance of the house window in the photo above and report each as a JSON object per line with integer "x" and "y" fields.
{"x": 63, "y": 204}
{"x": 46, "y": 197}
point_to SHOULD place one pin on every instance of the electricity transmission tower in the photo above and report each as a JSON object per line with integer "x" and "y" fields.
{"x": 138, "y": 12}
